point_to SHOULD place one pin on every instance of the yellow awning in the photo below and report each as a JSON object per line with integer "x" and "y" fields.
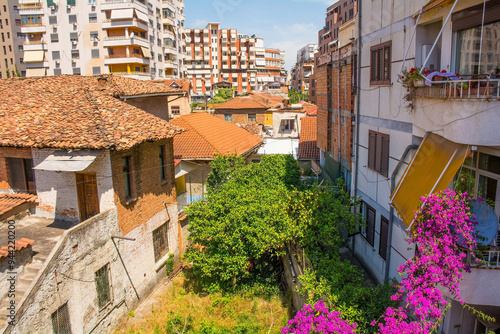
{"x": 35, "y": 72}
{"x": 431, "y": 169}
{"x": 33, "y": 56}
{"x": 434, "y": 4}
{"x": 146, "y": 52}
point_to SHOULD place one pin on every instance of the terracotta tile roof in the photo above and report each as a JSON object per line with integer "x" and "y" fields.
{"x": 72, "y": 112}
{"x": 208, "y": 135}
{"x": 11, "y": 201}
{"x": 253, "y": 101}
{"x": 307, "y": 107}
{"x": 252, "y": 128}
{"x": 272, "y": 101}
{"x": 308, "y": 148}
{"x": 184, "y": 84}
{"x": 19, "y": 244}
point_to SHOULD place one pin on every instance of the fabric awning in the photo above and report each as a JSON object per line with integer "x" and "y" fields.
{"x": 433, "y": 4}
{"x": 333, "y": 42}
{"x": 184, "y": 168}
{"x": 22, "y": 2}
{"x": 146, "y": 52}
{"x": 36, "y": 72}
{"x": 33, "y": 56}
{"x": 142, "y": 16}
{"x": 431, "y": 169}
{"x": 117, "y": 14}
{"x": 75, "y": 161}
{"x": 288, "y": 119}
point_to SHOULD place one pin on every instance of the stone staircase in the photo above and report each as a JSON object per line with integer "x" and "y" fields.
{"x": 23, "y": 282}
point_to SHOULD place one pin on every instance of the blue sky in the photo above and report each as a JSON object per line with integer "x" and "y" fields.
{"x": 285, "y": 24}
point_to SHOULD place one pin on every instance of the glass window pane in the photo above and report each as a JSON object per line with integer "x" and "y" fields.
{"x": 466, "y": 181}
{"x": 489, "y": 163}
{"x": 487, "y": 190}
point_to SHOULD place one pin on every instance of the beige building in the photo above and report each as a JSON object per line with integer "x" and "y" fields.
{"x": 11, "y": 45}
{"x": 138, "y": 39}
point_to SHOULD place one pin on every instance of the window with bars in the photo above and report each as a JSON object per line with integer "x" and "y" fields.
{"x": 163, "y": 162}
{"x": 380, "y": 64}
{"x": 378, "y": 152}
{"x": 384, "y": 237}
{"x": 60, "y": 320}
{"x": 176, "y": 110}
{"x": 160, "y": 241}
{"x": 102, "y": 285}
{"x": 370, "y": 215}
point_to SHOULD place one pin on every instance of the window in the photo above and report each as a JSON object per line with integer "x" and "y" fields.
{"x": 73, "y": 36}
{"x": 380, "y": 64}
{"x": 252, "y": 117}
{"x": 228, "y": 117}
{"x": 71, "y": 2}
{"x": 52, "y": 19}
{"x": 22, "y": 178}
{"x": 288, "y": 124}
{"x": 18, "y": 22}
{"x": 56, "y": 55}
{"x": 76, "y": 71}
{"x": 75, "y": 54}
{"x": 378, "y": 152}
{"x": 370, "y": 215}
{"x": 96, "y": 70}
{"x": 72, "y": 18}
{"x": 94, "y": 53}
{"x": 160, "y": 241}
{"x": 92, "y": 17}
{"x": 176, "y": 110}
{"x": 20, "y": 48}
{"x": 126, "y": 177}
{"x": 57, "y": 71}
{"x": 103, "y": 286}
{"x": 54, "y": 38}
{"x": 163, "y": 162}
{"x": 94, "y": 36}
{"x": 384, "y": 236}
{"x": 60, "y": 320}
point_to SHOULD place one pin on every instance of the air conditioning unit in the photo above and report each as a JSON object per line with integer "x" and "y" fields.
{"x": 52, "y": 7}
{"x": 54, "y": 27}
{"x": 73, "y": 61}
{"x": 74, "y": 24}
{"x": 31, "y": 35}
{"x": 74, "y": 42}
{"x": 68, "y": 6}
{"x": 58, "y": 62}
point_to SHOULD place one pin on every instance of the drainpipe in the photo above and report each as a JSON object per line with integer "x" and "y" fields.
{"x": 391, "y": 210}
{"x": 356, "y": 125}
{"x": 339, "y": 144}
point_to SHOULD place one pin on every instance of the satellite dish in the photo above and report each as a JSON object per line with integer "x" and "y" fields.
{"x": 132, "y": 35}
{"x": 487, "y": 222}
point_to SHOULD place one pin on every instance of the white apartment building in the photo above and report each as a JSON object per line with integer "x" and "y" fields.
{"x": 139, "y": 39}
{"x": 443, "y": 128}
{"x": 215, "y": 55}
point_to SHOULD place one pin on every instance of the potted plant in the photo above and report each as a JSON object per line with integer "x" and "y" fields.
{"x": 412, "y": 78}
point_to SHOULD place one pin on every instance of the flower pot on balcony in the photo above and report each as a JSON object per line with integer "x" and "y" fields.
{"x": 419, "y": 83}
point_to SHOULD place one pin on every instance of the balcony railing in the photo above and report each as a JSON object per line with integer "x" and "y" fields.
{"x": 463, "y": 89}
{"x": 484, "y": 259}
{"x": 132, "y": 73}
{"x": 132, "y": 55}
{"x": 34, "y": 42}
{"x": 30, "y": 6}
{"x": 117, "y": 38}
{"x": 39, "y": 24}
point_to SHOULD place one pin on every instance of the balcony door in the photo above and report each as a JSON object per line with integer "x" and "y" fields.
{"x": 88, "y": 199}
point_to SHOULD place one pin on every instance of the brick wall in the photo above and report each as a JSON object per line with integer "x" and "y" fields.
{"x": 149, "y": 191}
{"x": 10, "y": 152}
{"x": 323, "y": 89}
{"x": 241, "y": 116}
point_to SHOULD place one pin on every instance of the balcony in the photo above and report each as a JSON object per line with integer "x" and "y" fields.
{"x": 125, "y": 41}
{"x": 464, "y": 111}
{"x": 106, "y": 24}
{"x": 134, "y": 75}
{"x": 31, "y": 8}
{"x": 168, "y": 34}
{"x": 170, "y": 64}
{"x": 30, "y": 28}
{"x": 119, "y": 4}
{"x": 168, "y": 20}
{"x": 124, "y": 59}
{"x": 35, "y": 46}
{"x": 170, "y": 49}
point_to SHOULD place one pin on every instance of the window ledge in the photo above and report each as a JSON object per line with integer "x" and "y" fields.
{"x": 129, "y": 201}
{"x": 161, "y": 262}
{"x": 164, "y": 182}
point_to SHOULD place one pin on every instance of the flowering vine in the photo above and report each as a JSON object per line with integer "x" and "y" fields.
{"x": 443, "y": 222}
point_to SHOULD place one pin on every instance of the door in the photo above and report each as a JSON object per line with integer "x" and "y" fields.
{"x": 88, "y": 200}
{"x": 269, "y": 118}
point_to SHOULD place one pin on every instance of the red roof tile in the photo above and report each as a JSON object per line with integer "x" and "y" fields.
{"x": 208, "y": 135}
{"x": 18, "y": 244}
{"x": 308, "y": 148}
{"x": 253, "y": 101}
{"x": 73, "y": 112}
{"x": 11, "y": 201}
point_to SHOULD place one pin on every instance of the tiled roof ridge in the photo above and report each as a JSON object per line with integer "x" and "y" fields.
{"x": 192, "y": 128}
{"x": 260, "y": 102}
{"x": 98, "y": 115}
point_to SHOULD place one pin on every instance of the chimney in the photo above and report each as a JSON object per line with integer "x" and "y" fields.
{"x": 102, "y": 82}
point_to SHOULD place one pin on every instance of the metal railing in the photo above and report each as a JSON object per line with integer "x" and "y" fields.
{"x": 485, "y": 88}
{"x": 34, "y": 42}
{"x": 484, "y": 259}
{"x": 132, "y": 55}
{"x": 132, "y": 73}
{"x": 117, "y": 38}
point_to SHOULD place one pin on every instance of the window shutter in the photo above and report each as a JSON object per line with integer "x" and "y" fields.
{"x": 378, "y": 152}
{"x": 387, "y": 64}
{"x": 384, "y": 155}
{"x": 384, "y": 235}
{"x": 371, "y": 149}
{"x": 379, "y": 65}
{"x": 370, "y": 226}
{"x": 373, "y": 65}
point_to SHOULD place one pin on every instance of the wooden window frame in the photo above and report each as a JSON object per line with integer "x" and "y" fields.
{"x": 127, "y": 178}
{"x": 252, "y": 118}
{"x": 370, "y": 229}
{"x": 384, "y": 237}
{"x": 176, "y": 110}
{"x": 28, "y": 174}
{"x": 380, "y": 64}
{"x": 378, "y": 152}
{"x": 160, "y": 241}
{"x": 103, "y": 286}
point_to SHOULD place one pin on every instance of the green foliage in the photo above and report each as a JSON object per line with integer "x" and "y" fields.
{"x": 194, "y": 105}
{"x": 222, "y": 168}
{"x": 169, "y": 264}
{"x": 296, "y": 97}
{"x": 240, "y": 230}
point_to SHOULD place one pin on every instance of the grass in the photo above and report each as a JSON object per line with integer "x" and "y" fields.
{"x": 182, "y": 311}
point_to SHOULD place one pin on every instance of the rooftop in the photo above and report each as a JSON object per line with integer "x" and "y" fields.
{"x": 253, "y": 101}
{"x": 308, "y": 148}
{"x": 208, "y": 135}
{"x": 78, "y": 112}
{"x": 9, "y": 203}
{"x": 280, "y": 146}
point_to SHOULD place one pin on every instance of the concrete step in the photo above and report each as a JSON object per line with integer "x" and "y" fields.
{"x": 33, "y": 267}
{"x": 39, "y": 259}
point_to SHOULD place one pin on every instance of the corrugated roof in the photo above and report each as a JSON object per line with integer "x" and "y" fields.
{"x": 73, "y": 112}
{"x": 208, "y": 135}
{"x": 308, "y": 148}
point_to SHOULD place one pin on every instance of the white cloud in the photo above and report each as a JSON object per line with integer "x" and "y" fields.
{"x": 199, "y": 23}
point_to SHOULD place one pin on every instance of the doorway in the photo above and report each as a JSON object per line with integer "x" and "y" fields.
{"x": 88, "y": 199}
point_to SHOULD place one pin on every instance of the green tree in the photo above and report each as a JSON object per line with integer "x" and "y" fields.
{"x": 222, "y": 168}
{"x": 223, "y": 95}
{"x": 296, "y": 97}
